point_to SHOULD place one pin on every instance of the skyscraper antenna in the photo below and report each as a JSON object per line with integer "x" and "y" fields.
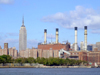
{"x": 23, "y": 22}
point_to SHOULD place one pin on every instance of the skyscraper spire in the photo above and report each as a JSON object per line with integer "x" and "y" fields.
{"x": 23, "y": 22}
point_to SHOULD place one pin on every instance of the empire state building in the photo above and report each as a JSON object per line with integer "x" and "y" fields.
{"x": 22, "y": 37}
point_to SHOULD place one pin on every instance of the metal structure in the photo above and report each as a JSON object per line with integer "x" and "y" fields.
{"x": 63, "y": 51}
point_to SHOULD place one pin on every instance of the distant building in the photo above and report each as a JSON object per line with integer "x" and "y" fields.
{"x": 82, "y": 45}
{"x": 0, "y": 47}
{"x": 22, "y": 37}
{"x": 9, "y": 51}
{"x": 5, "y": 45}
{"x": 98, "y": 45}
{"x": 93, "y": 46}
{"x": 89, "y": 47}
{"x": 13, "y": 52}
{"x": 73, "y": 47}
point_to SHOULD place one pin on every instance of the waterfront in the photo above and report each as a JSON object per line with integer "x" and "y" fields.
{"x": 49, "y": 71}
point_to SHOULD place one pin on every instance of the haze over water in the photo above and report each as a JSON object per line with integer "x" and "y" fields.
{"x": 49, "y": 71}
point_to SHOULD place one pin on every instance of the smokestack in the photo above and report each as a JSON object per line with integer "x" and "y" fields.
{"x": 85, "y": 37}
{"x": 57, "y": 34}
{"x": 45, "y": 36}
{"x": 75, "y": 38}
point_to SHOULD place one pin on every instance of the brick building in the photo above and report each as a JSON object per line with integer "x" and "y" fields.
{"x": 57, "y": 46}
{"x": 9, "y": 51}
{"x": 39, "y": 53}
{"x": 3, "y": 51}
{"x": 94, "y": 57}
{"x": 13, "y": 52}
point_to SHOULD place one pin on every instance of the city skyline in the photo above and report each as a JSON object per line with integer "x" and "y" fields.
{"x": 49, "y": 15}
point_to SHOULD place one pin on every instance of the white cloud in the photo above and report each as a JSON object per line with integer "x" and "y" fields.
{"x": 6, "y": 1}
{"x": 79, "y": 17}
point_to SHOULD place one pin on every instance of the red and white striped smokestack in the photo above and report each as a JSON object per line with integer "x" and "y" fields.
{"x": 75, "y": 38}
{"x": 45, "y": 36}
{"x": 85, "y": 37}
{"x": 57, "y": 35}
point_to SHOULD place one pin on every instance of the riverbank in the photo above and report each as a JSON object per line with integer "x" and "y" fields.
{"x": 45, "y": 67}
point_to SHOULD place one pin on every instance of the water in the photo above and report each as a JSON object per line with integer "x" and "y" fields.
{"x": 49, "y": 71}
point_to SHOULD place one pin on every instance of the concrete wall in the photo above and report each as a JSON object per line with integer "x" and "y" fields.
{"x": 51, "y": 54}
{"x": 40, "y": 53}
{"x": 56, "y": 53}
{"x": 35, "y": 53}
{"x": 21, "y": 53}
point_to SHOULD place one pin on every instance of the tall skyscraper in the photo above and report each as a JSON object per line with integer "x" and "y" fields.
{"x": 22, "y": 37}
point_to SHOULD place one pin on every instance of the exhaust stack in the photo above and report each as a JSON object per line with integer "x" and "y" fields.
{"x": 57, "y": 34}
{"x": 75, "y": 38}
{"x": 45, "y": 36}
{"x": 85, "y": 37}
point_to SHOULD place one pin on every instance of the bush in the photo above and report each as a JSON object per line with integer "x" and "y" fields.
{"x": 46, "y": 61}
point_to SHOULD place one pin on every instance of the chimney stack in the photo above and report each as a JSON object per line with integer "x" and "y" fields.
{"x": 85, "y": 37}
{"x": 57, "y": 34}
{"x": 45, "y": 36}
{"x": 75, "y": 38}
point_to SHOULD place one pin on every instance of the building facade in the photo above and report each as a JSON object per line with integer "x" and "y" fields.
{"x": 54, "y": 46}
{"x": 22, "y": 37}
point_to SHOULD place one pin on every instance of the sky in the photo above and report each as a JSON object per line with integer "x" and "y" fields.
{"x": 49, "y": 14}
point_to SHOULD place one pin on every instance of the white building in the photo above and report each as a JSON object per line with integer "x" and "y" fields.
{"x": 82, "y": 45}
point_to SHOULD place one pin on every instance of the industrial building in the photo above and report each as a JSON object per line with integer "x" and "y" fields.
{"x": 54, "y": 46}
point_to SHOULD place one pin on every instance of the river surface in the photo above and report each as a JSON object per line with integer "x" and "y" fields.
{"x": 49, "y": 71}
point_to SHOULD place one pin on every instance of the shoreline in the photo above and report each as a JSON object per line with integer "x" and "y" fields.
{"x": 46, "y": 67}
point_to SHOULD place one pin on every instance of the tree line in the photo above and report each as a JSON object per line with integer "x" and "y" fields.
{"x": 45, "y": 61}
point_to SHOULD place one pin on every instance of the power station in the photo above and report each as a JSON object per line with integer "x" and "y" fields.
{"x": 53, "y": 46}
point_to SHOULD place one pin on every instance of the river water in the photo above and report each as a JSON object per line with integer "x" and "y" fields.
{"x": 49, "y": 71}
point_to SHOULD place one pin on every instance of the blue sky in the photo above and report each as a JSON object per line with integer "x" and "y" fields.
{"x": 49, "y": 14}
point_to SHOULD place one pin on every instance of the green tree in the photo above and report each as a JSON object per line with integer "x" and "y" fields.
{"x": 7, "y": 58}
{"x": 2, "y": 60}
{"x": 31, "y": 60}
